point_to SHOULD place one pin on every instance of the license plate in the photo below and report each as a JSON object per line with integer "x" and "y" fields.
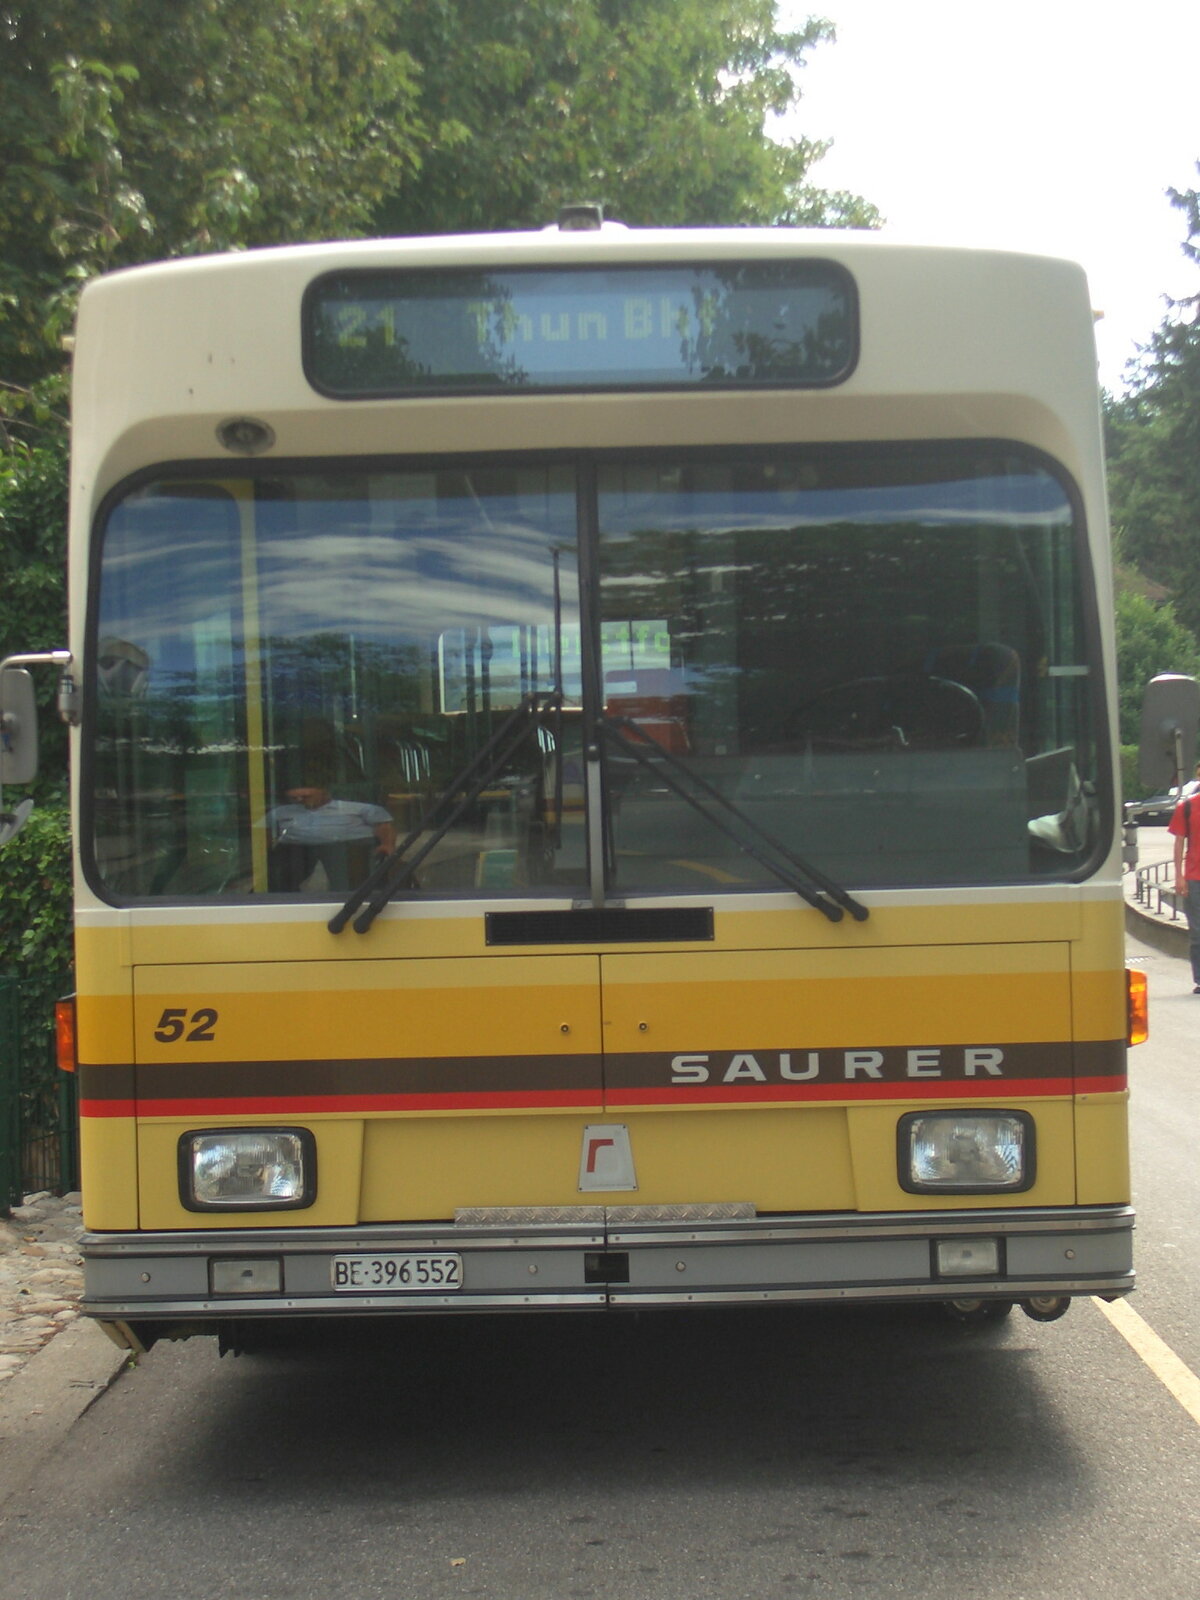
{"x": 396, "y": 1274}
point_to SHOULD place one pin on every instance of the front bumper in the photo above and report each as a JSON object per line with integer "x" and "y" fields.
{"x": 611, "y": 1257}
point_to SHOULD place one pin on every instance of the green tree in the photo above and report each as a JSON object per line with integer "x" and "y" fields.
{"x": 1150, "y": 640}
{"x": 133, "y": 130}
{"x": 33, "y": 608}
{"x": 660, "y": 108}
{"x": 35, "y": 867}
{"x": 35, "y": 934}
{"x": 1153, "y": 443}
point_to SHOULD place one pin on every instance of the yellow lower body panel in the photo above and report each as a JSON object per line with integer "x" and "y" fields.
{"x": 1102, "y": 1149}
{"x": 780, "y": 1160}
{"x": 777, "y": 1160}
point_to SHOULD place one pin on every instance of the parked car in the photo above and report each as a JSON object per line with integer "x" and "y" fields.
{"x": 1157, "y": 808}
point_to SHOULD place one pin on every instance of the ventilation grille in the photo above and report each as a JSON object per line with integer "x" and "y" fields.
{"x": 615, "y": 925}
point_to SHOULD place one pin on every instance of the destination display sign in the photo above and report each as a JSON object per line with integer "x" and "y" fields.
{"x": 664, "y": 325}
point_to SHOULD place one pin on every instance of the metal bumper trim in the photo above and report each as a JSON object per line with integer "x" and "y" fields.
{"x": 164, "y": 1277}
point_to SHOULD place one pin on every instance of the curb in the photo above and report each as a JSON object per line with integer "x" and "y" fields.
{"x": 1170, "y": 938}
{"x": 41, "y": 1402}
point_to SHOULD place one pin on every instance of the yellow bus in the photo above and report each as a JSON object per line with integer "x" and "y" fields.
{"x": 594, "y": 781}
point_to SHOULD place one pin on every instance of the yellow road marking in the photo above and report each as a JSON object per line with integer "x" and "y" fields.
{"x": 1166, "y": 1366}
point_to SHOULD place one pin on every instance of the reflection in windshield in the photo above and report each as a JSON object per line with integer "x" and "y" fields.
{"x": 876, "y": 656}
{"x": 360, "y": 636}
{"x": 319, "y": 842}
{"x": 880, "y": 660}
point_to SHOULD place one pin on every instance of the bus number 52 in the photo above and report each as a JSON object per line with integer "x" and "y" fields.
{"x": 198, "y": 1028}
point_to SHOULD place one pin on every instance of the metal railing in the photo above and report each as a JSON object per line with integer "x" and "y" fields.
{"x": 38, "y": 1110}
{"x": 1155, "y": 889}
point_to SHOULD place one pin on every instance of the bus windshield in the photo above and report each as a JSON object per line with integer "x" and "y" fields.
{"x": 881, "y": 655}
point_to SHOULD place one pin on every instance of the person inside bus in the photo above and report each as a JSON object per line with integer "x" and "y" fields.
{"x": 319, "y": 842}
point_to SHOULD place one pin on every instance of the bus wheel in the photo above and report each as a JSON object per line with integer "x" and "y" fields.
{"x": 1046, "y": 1307}
{"x": 976, "y": 1313}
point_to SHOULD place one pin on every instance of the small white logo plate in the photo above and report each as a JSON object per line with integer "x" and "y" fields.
{"x": 606, "y": 1161}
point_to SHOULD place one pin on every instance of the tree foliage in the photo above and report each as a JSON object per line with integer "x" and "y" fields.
{"x": 35, "y": 932}
{"x": 1150, "y": 640}
{"x": 33, "y": 600}
{"x": 33, "y": 505}
{"x": 1153, "y": 442}
{"x": 35, "y": 867}
{"x": 131, "y": 130}
{"x": 656, "y": 107}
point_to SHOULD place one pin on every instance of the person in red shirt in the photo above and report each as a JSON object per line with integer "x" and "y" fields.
{"x": 1185, "y": 825}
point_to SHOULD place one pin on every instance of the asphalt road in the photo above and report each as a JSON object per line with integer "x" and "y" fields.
{"x": 742, "y": 1454}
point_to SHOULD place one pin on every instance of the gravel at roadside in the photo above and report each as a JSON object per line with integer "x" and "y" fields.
{"x": 41, "y": 1276}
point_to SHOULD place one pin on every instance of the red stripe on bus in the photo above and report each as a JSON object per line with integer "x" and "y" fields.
{"x": 108, "y": 1108}
{"x": 587, "y": 1100}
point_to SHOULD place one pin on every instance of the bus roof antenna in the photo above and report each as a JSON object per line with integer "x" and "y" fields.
{"x": 587, "y": 216}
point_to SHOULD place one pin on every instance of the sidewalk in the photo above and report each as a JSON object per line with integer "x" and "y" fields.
{"x": 41, "y": 1276}
{"x": 1153, "y": 920}
{"x": 53, "y": 1363}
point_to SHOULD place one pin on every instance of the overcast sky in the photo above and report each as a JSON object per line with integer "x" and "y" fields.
{"x": 1048, "y": 125}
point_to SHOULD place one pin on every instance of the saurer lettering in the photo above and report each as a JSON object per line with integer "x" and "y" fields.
{"x": 847, "y": 1066}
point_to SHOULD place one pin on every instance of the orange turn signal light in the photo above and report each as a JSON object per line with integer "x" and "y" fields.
{"x": 64, "y": 1033}
{"x": 1137, "y": 1007}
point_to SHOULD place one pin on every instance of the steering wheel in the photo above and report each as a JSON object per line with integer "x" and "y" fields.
{"x": 901, "y": 710}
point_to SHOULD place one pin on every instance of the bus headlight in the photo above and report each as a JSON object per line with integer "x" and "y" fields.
{"x": 236, "y": 1169}
{"x": 966, "y": 1152}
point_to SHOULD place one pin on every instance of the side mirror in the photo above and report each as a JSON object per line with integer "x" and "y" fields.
{"x": 1167, "y": 742}
{"x": 18, "y": 727}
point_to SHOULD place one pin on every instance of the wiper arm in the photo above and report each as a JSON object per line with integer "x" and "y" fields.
{"x": 397, "y": 869}
{"x": 807, "y": 881}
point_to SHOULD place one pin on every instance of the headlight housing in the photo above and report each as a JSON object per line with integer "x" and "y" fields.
{"x": 966, "y": 1152}
{"x": 242, "y": 1169}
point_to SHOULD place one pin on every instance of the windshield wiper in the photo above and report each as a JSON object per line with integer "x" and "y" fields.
{"x": 449, "y": 806}
{"x": 805, "y": 880}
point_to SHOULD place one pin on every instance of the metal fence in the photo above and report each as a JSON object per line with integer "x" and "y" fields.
{"x": 39, "y": 1143}
{"x": 1156, "y": 889}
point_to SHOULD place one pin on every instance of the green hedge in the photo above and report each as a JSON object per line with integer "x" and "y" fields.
{"x": 35, "y": 867}
{"x": 33, "y": 588}
{"x": 35, "y": 930}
